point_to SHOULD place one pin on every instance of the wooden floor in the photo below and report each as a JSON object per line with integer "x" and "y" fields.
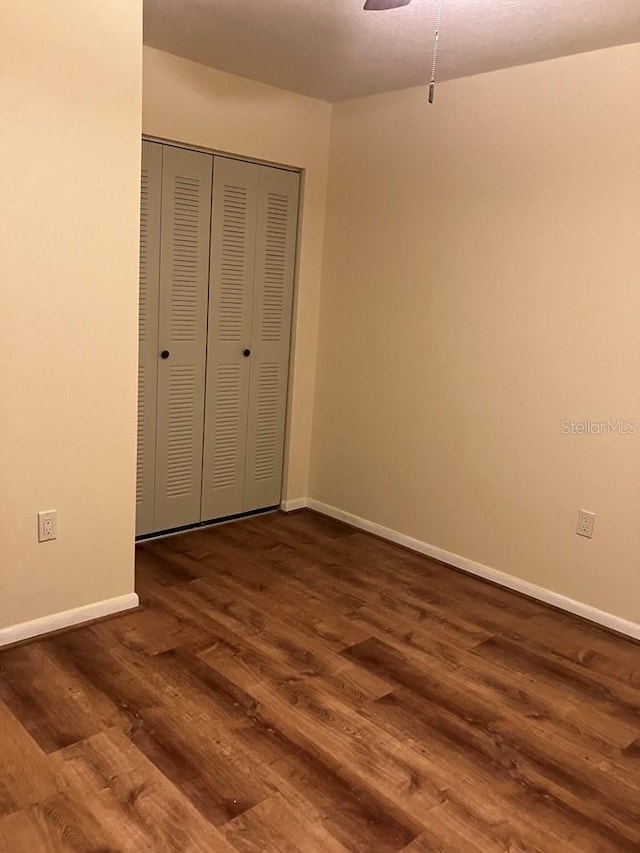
{"x": 293, "y": 685}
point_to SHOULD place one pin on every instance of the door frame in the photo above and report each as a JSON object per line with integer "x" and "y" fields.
{"x": 294, "y": 301}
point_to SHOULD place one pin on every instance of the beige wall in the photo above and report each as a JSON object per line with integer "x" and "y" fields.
{"x": 191, "y": 103}
{"x": 70, "y": 88}
{"x": 482, "y": 283}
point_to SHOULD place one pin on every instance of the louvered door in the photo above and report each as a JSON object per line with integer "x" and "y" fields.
{"x": 233, "y": 238}
{"x": 276, "y": 229}
{"x": 216, "y": 279}
{"x": 184, "y": 275}
{"x": 150, "y": 197}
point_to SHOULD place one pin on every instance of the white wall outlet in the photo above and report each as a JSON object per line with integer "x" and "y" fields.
{"x": 586, "y": 520}
{"x": 47, "y": 525}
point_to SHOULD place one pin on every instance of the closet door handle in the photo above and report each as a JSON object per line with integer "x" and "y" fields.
{"x": 246, "y": 353}
{"x": 165, "y": 353}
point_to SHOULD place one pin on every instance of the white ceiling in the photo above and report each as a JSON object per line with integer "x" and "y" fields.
{"x": 332, "y": 49}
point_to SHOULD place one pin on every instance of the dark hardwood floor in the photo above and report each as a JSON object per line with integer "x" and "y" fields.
{"x": 290, "y": 684}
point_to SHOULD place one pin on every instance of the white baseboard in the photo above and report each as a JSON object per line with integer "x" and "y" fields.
{"x": 586, "y": 611}
{"x": 67, "y": 619}
{"x": 293, "y": 504}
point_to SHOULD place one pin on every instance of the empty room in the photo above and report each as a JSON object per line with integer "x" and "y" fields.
{"x": 320, "y": 457}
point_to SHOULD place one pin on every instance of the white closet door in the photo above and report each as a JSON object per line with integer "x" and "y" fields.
{"x": 233, "y": 236}
{"x": 150, "y": 199}
{"x": 181, "y": 354}
{"x": 276, "y": 231}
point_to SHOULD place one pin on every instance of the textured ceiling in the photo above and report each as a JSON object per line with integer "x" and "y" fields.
{"x": 332, "y": 49}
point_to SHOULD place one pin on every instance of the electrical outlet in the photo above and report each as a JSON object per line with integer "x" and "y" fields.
{"x": 47, "y": 525}
{"x": 586, "y": 520}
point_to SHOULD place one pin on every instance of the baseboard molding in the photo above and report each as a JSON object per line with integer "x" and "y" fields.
{"x": 294, "y": 504}
{"x": 578, "y": 608}
{"x": 67, "y": 619}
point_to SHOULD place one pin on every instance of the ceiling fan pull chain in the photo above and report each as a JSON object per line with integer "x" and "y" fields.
{"x": 432, "y": 83}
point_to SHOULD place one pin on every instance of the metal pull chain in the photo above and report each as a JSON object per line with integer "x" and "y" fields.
{"x": 432, "y": 83}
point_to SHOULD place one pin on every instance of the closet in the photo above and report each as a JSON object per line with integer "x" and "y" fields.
{"x": 217, "y": 254}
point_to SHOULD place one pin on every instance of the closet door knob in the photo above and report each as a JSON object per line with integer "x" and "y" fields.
{"x": 165, "y": 353}
{"x": 246, "y": 353}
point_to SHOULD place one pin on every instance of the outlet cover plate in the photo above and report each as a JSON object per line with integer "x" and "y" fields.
{"x": 47, "y": 525}
{"x": 586, "y": 520}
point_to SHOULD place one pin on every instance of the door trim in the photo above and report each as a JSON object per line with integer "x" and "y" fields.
{"x": 296, "y": 270}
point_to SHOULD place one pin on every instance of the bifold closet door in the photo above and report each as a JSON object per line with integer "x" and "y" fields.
{"x": 150, "y": 200}
{"x": 182, "y": 328}
{"x": 233, "y": 238}
{"x": 276, "y": 230}
{"x": 254, "y": 224}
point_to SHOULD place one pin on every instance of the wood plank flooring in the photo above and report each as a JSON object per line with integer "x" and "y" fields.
{"x": 291, "y": 684}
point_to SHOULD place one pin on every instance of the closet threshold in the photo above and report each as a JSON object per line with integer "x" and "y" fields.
{"x": 174, "y": 531}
